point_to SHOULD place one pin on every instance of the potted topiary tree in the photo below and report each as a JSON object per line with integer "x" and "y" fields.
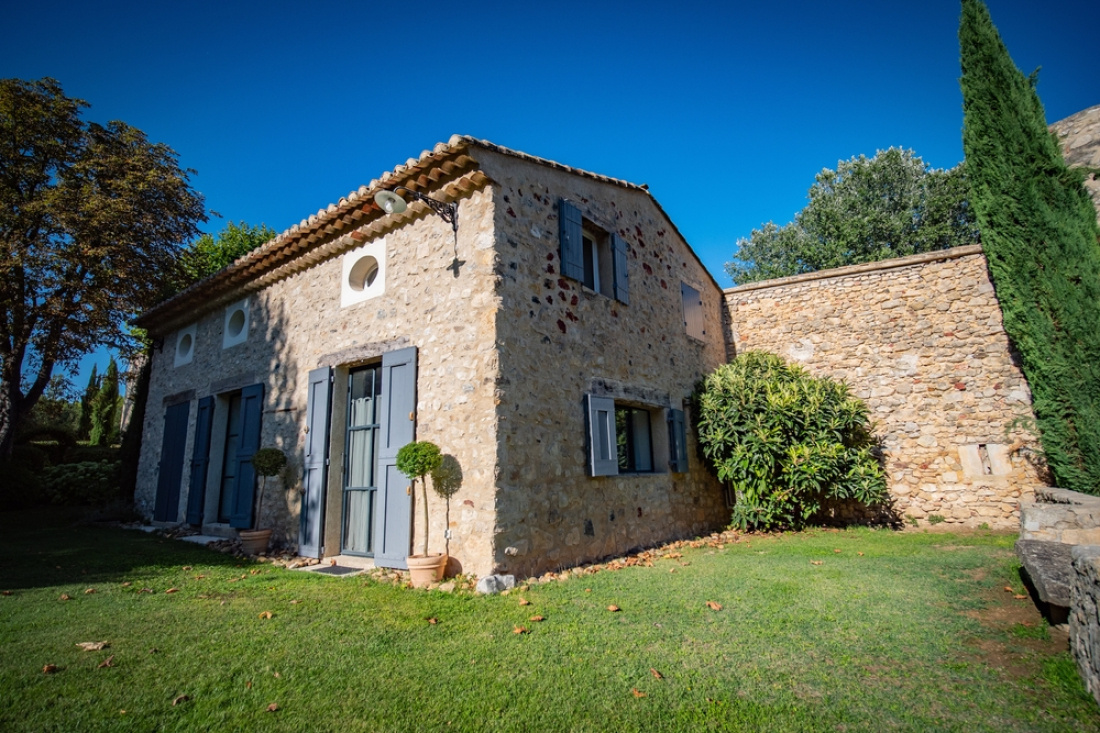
{"x": 265, "y": 462}
{"x": 416, "y": 461}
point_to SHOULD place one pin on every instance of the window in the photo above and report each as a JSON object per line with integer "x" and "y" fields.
{"x": 364, "y": 273}
{"x": 236, "y": 324}
{"x": 694, "y": 323}
{"x": 591, "y": 255}
{"x": 628, "y": 439}
{"x": 185, "y": 345}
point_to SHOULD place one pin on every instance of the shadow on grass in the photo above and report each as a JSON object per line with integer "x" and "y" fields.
{"x": 51, "y": 546}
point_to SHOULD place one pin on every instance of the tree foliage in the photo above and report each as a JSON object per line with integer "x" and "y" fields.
{"x": 91, "y": 218}
{"x": 867, "y": 209}
{"x": 210, "y": 253}
{"x": 1040, "y": 237}
{"x": 106, "y": 408}
{"x": 786, "y": 441}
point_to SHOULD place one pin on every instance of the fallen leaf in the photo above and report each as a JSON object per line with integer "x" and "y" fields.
{"x": 295, "y": 602}
{"x": 817, "y": 562}
{"x": 187, "y": 567}
{"x": 172, "y": 590}
{"x": 93, "y": 646}
{"x": 637, "y": 692}
{"x": 587, "y": 590}
{"x": 277, "y": 675}
{"x": 254, "y": 571}
{"x": 127, "y": 584}
{"x": 1019, "y": 597}
{"x": 199, "y": 577}
{"x": 524, "y": 602}
{"x": 89, "y": 591}
{"x": 181, "y": 698}
{"x": 1009, "y": 589}
{"x": 272, "y": 708}
{"x": 106, "y": 662}
{"x": 66, "y": 597}
{"x": 433, "y": 620}
{"x": 613, "y": 608}
{"x": 714, "y": 606}
{"x": 146, "y": 590}
{"x": 49, "y": 669}
{"x": 536, "y": 619}
{"x": 5, "y": 593}
{"x": 656, "y": 674}
{"x": 248, "y": 684}
{"x": 836, "y": 551}
{"x": 265, "y": 614}
{"x": 672, "y": 570}
{"x": 519, "y": 630}
{"x": 861, "y": 554}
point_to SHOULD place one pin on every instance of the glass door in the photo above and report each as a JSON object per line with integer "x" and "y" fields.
{"x": 360, "y": 482}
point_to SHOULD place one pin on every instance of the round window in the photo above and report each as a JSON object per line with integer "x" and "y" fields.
{"x": 363, "y": 273}
{"x": 236, "y": 323}
{"x": 184, "y": 346}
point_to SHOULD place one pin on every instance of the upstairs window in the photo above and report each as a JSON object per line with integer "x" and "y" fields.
{"x": 591, "y": 255}
{"x": 694, "y": 323}
{"x": 236, "y": 324}
{"x": 185, "y": 346}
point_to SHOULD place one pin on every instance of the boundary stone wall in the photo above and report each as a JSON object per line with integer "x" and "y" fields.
{"x": 921, "y": 340}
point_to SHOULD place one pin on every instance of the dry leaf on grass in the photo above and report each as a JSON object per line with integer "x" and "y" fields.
{"x": 1009, "y": 589}
{"x": 266, "y": 614}
{"x": 248, "y": 684}
{"x": 1019, "y": 597}
{"x": 89, "y": 591}
{"x": 5, "y": 593}
{"x": 637, "y": 692}
{"x": 277, "y": 675}
{"x": 613, "y": 608}
{"x": 817, "y": 562}
{"x": 433, "y": 620}
{"x": 537, "y": 619}
{"x": 127, "y": 584}
{"x": 520, "y": 630}
{"x": 93, "y": 646}
{"x": 656, "y": 674}
{"x": 146, "y": 590}
{"x": 199, "y": 577}
{"x": 272, "y": 708}
{"x": 860, "y": 554}
{"x": 65, "y": 597}
{"x": 181, "y": 698}
{"x": 49, "y": 669}
{"x": 295, "y": 602}
{"x": 836, "y": 551}
{"x": 524, "y": 602}
{"x": 187, "y": 567}
{"x": 172, "y": 590}
{"x": 106, "y": 662}
{"x": 714, "y": 606}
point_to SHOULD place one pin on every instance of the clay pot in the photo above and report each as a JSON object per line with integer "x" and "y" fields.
{"x": 254, "y": 541}
{"x": 426, "y": 569}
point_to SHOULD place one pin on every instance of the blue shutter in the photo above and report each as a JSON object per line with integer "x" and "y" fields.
{"x": 200, "y": 460}
{"x": 393, "y": 503}
{"x": 570, "y": 224}
{"x": 170, "y": 476}
{"x": 677, "y": 437}
{"x": 618, "y": 248}
{"x": 318, "y": 408}
{"x": 603, "y": 447}
{"x": 694, "y": 323}
{"x": 244, "y": 487}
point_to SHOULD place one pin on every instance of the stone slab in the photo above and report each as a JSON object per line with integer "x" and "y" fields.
{"x": 1050, "y": 567}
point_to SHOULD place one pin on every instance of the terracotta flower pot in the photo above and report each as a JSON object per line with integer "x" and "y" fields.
{"x": 254, "y": 541}
{"x": 426, "y": 569}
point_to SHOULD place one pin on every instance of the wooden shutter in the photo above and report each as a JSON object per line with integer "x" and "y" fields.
{"x": 570, "y": 224}
{"x": 619, "y": 252}
{"x": 693, "y": 311}
{"x": 603, "y": 448}
{"x": 200, "y": 460}
{"x": 244, "y": 487}
{"x": 397, "y": 418}
{"x": 318, "y": 409}
{"x": 170, "y": 475}
{"x": 677, "y": 437}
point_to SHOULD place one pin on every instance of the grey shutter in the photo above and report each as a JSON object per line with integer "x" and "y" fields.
{"x": 244, "y": 487}
{"x": 618, "y": 248}
{"x": 393, "y": 503}
{"x": 166, "y": 508}
{"x": 200, "y": 460}
{"x": 570, "y": 225}
{"x": 603, "y": 448}
{"x": 318, "y": 408}
{"x": 694, "y": 323}
{"x": 677, "y": 436}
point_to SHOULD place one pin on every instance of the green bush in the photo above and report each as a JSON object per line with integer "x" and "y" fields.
{"x": 81, "y": 484}
{"x": 91, "y": 454}
{"x": 786, "y": 441}
{"x": 417, "y": 460}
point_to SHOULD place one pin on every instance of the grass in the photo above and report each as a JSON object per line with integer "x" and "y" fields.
{"x": 896, "y": 631}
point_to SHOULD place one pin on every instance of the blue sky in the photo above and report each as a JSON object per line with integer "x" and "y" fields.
{"x": 727, "y": 112}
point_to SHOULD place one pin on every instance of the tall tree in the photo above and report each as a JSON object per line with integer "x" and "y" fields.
{"x": 868, "y": 209}
{"x": 92, "y": 217}
{"x": 1040, "y": 237}
{"x": 84, "y": 425}
{"x": 210, "y": 253}
{"x": 106, "y": 408}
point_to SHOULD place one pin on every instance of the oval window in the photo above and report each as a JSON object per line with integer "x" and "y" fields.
{"x": 363, "y": 273}
{"x": 185, "y": 344}
{"x": 236, "y": 323}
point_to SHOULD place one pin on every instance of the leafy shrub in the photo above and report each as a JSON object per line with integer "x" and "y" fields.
{"x": 786, "y": 441}
{"x": 91, "y": 454}
{"x": 81, "y": 484}
{"x": 417, "y": 460}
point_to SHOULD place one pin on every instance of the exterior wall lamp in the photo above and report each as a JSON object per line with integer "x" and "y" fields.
{"x": 391, "y": 203}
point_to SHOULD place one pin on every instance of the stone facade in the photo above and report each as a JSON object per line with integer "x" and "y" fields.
{"x": 1084, "y": 616}
{"x": 1080, "y": 138}
{"x": 921, "y": 340}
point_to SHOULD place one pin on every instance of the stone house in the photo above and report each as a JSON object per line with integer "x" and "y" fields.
{"x": 546, "y": 332}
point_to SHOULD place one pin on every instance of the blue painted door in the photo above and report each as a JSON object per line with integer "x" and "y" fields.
{"x": 166, "y": 508}
{"x": 397, "y": 427}
{"x": 318, "y": 408}
{"x": 244, "y": 484}
{"x": 200, "y": 460}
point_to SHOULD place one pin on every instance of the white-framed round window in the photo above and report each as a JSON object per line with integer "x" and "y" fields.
{"x": 235, "y": 326}
{"x": 363, "y": 273}
{"x": 185, "y": 345}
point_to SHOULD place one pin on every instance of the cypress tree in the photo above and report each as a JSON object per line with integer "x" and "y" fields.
{"x": 105, "y": 408}
{"x": 84, "y": 426}
{"x": 1040, "y": 236}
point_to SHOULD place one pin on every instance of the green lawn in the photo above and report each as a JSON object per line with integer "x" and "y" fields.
{"x": 907, "y": 631}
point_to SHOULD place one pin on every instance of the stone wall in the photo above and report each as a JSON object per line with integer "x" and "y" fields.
{"x": 298, "y": 324}
{"x": 921, "y": 340}
{"x": 1080, "y": 138}
{"x": 1084, "y": 616}
{"x": 558, "y": 341}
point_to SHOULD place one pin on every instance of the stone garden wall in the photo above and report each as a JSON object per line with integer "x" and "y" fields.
{"x": 921, "y": 340}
